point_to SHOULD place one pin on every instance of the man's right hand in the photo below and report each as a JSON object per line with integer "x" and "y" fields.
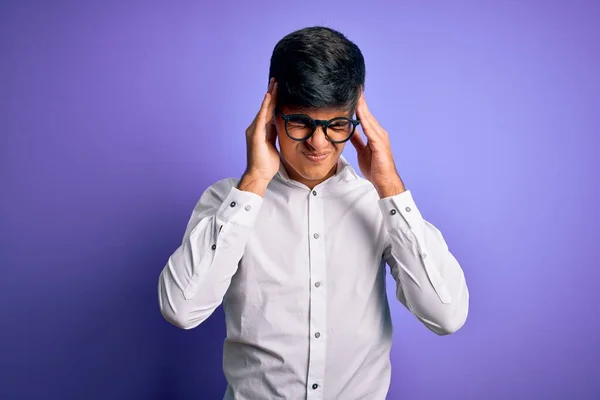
{"x": 262, "y": 155}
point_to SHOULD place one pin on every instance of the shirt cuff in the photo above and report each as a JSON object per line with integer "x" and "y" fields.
{"x": 240, "y": 207}
{"x": 401, "y": 212}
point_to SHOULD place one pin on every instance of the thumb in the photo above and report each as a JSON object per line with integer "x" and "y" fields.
{"x": 357, "y": 141}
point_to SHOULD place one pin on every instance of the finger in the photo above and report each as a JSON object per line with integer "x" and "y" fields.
{"x": 271, "y": 132}
{"x": 257, "y": 126}
{"x": 270, "y": 86}
{"x": 262, "y": 117}
{"x": 364, "y": 107}
{"x": 273, "y": 102}
{"x": 264, "y": 100}
{"x": 365, "y": 121}
{"x": 370, "y": 126}
{"x": 357, "y": 141}
{"x": 371, "y": 117}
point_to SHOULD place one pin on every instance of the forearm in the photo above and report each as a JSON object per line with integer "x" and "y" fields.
{"x": 429, "y": 278}
{"x": 431, "y": 281}
{"x": 197, "y": 275}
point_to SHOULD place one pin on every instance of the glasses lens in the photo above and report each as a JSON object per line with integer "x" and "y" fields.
{"x": 340, "y": 129}
{"x": 299, "y": 127}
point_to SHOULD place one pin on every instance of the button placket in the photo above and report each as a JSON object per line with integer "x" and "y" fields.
{"x": 318, "y": 295}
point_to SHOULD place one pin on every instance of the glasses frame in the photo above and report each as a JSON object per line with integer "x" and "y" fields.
{"x": 315, "y": 123}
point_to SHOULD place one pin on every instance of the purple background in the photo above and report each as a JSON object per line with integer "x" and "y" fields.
{"x": 114, "y": 118}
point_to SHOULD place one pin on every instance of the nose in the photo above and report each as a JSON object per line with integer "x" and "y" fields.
{"x": 318, "y": 140}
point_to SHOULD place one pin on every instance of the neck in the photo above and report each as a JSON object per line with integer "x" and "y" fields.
{"x": 310, "y": 183}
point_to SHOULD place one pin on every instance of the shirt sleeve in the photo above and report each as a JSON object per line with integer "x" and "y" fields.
{"x": 197, "y": 275}
{"x": 429, "y": 280}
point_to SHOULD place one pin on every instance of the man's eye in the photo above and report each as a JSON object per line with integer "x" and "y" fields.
{"x": 340, "y": 125}
{"x": 298, "y": 123}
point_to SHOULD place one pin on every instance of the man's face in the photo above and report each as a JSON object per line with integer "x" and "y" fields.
{"x": 296, "y": 155}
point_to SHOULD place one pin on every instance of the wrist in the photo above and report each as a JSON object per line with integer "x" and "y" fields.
{"x": 253, "y": 183}
{"x": 391, "y": 190}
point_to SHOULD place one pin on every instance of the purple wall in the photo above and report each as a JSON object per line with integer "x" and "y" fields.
{"x": 114, "y": 119}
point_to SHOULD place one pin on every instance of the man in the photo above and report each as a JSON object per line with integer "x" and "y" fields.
{"x": 296, "y": 249}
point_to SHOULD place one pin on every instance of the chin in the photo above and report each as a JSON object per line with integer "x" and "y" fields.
{"x": 313, "y": 172}
{"x": 313, "y": 175}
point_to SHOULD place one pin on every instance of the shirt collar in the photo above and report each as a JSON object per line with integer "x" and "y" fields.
{"x": 344, "y": 172}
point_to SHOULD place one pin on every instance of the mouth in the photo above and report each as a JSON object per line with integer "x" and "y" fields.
{"x": 316, "y": 157}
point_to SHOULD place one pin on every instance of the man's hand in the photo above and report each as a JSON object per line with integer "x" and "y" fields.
{"x": 262, "y": 155}
{"x": 375, "y": 158}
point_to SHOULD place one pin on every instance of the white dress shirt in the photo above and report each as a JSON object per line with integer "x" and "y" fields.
{"x": 301, "y": 275}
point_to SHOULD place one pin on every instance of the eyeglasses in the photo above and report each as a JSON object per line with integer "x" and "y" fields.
{"x": 301, "y": 127}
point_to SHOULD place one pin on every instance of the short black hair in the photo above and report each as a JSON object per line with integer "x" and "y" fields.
{"x": 317, "y": 67}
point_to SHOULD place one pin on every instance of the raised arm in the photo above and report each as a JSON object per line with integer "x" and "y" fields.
{"x": 429, "y": 279}
{"x": 197, "y": 275}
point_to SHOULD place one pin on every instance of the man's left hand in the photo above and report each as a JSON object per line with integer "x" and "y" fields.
{"x": 375, "y": 157}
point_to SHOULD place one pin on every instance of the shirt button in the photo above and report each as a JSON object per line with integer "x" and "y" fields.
{"x": 407, "y": 209}
{"x": 232, "y": 204}
{"x": 317, "y": 284}
{"x": 314, "y": 192}
{"x": 248, "y": 207}
{"x": 393, "y": 212}
{"x": 316, "y": 235}
{"x": 214, "y": 246}
{"x": 317, "y": 335}
{"x": 314, "y": 386}
{"x": 424, "y": 255}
